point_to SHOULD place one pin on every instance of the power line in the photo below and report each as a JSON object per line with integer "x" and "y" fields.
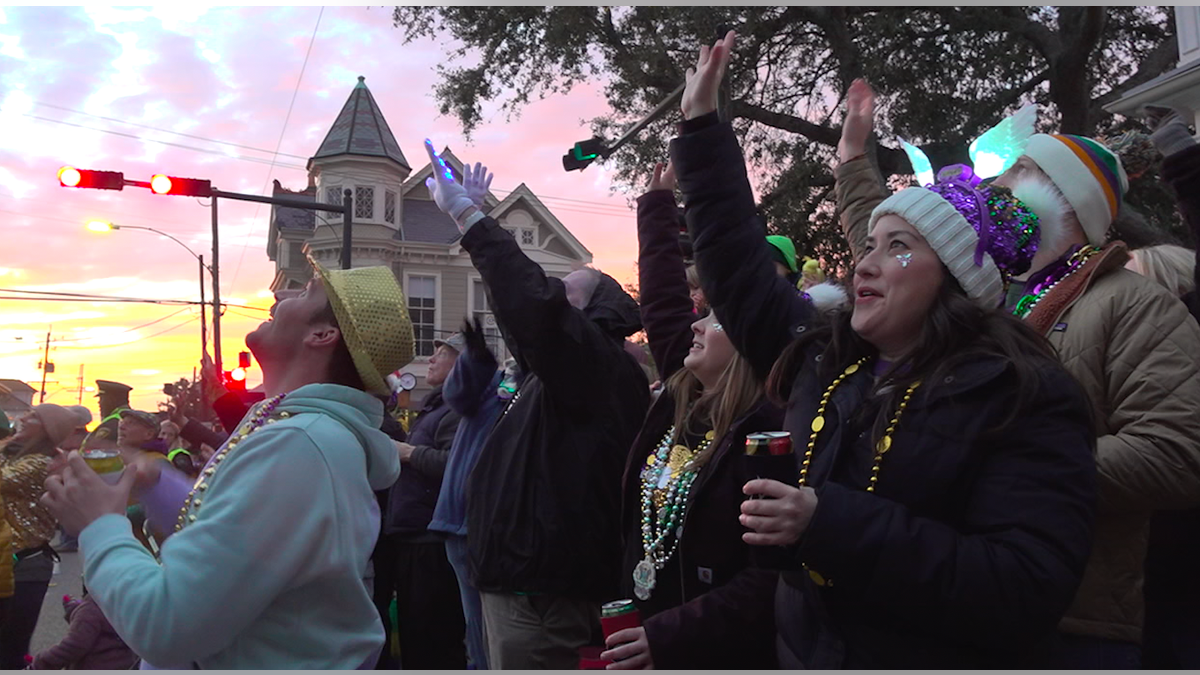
{"x": 279, "y": 143}
{"x": 258, "y": 160}
{"x": 122, "y": 344}
{"x": 148, "y": 337}
{"x": 168, "y": 131}
{"x": 86, "y": 297}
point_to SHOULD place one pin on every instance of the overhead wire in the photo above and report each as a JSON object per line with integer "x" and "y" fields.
{"x": 278, "y": 144}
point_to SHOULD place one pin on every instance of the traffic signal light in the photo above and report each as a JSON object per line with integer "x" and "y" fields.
{"x": 583, "y": 154}
{"x": 69, "y": 176}
{"x": 235, "y": 380}
{"x": 162, "y": 184}
{"x": 243, "y": 359}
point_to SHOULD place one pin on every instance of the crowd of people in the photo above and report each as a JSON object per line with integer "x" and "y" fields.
{"x": 984, "y": 445}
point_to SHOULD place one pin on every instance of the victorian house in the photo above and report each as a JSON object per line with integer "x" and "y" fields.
{"x": 396, "y": 224}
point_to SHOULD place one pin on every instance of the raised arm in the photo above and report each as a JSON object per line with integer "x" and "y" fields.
{"x": 666, "y": 307}
{"x": 859, "y": 187}
{"x": 761, "y": 312}
{"x": 470, "y": 380}
{"x": 554, "y": 339}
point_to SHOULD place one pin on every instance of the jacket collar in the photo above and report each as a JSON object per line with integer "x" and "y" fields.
{"x": 1062, "y": 297}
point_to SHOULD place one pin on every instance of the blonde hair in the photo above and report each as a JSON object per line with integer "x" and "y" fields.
{"x": 693, "y": 277}
{"x": 1169, "y": 266}
{"x": 736, "y": 392}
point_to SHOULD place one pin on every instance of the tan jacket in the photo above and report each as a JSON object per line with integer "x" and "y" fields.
{"x": 1136, "y": 350}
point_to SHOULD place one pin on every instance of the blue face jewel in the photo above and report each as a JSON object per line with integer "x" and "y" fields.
{"x": 904, "y": 259}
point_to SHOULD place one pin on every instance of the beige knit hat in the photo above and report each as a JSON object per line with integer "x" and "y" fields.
{"x": 950, "y": 236}
{"x": 58, "y": 422}
{"x": 373, "y": 317}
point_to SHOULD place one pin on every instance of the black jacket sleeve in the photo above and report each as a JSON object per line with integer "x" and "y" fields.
{"x": 196, "y": 433}
{"x": 556, "y": 341}
{"x": 230, "y": 410}
{"x": 666, "y": 307}
{"x": 431, "y": 459}
{"x": 1181, "y": 170}
{"x": 760, "y": 310}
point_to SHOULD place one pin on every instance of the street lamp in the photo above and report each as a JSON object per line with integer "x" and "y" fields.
{"x": 105, "y": 226}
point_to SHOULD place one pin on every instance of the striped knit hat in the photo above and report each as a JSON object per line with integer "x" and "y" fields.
{"x": 1089, "y": 175}
{"x": 984, "y": 236}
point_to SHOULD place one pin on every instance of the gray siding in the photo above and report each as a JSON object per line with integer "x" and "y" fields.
{"x": 454, "y": 298}
{"x": 559, "y": 247}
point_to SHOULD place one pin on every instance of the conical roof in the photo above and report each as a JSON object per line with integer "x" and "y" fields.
{"x": 360, "y": 129}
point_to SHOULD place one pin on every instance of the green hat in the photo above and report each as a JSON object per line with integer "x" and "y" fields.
{"x": 787, "y": 251}
{"x": 5, "y": 427}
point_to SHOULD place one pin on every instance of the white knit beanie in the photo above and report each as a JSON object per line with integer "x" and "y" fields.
{"x": 951, "y": 237}
{"x": 1088, "y": 174}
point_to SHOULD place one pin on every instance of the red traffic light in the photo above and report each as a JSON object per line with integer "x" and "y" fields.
{"x": 235, "y": 380}
{"x": 162, "y": 184}
{"x": 238, "y": 374}
{"x": 69, "y": 176}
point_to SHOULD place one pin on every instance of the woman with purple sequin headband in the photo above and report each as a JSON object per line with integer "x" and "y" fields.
{"x": 983, "y": 235}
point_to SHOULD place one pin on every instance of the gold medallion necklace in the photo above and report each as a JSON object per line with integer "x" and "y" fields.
{"x": 881, "y": 447}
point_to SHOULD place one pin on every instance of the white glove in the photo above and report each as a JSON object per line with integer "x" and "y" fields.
{"x": 450, "y": 197}
{"x": 477, "y": 181}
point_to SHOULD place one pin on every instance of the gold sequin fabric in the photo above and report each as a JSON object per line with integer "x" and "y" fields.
{"x": 22, "y": 483}
{"x": 373, "y": 316}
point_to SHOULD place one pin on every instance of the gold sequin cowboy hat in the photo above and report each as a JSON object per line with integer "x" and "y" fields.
{"x": 373, "y": 317}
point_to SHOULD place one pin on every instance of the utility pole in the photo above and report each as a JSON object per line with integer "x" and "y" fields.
{"x": 80, "y": 384}
{"x": 203, "y": 313}
{"x": 45, "y": 365}
{"x": 216, "y": 278}
{"x": 347, "y": 204}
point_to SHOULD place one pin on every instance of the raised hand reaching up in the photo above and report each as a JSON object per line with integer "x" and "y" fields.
{"x": 663, "y": 179}
{"x": 477, "y": 181}
{"x": 703, "y": 81}
{"x": 859, "y": 122}
{"x": 450, "y": 197}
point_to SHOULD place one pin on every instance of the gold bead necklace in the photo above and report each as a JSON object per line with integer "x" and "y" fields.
{"x": 881, "y": 447}
{"x": 262, "y": 417}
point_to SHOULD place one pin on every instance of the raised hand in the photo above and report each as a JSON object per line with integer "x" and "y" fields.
{"x": 449, "y": 196}
{"x": 664, "y": 177}
{"x": 474, "y": 336}
{"x": 859, "y": 122}
{"x": 703, "y": 81}
{"x": 477, "y": 181}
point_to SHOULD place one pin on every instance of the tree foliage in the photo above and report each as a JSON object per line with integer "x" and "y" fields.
{"x": 943, "y": 74}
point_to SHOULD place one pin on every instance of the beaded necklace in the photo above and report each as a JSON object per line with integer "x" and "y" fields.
{"x": 1029, "y": 300}
{"x": 260, "y": 419}
{"x": 881, "y": 447}
{"x": 671, "y": 489}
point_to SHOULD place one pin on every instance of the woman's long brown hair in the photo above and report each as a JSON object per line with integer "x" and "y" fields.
{"x": 736, "y": 393}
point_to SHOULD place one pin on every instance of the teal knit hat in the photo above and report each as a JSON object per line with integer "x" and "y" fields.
{"x": 5, "y": 427}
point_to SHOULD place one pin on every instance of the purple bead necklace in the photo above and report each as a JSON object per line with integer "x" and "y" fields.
{"x": 261, "y": 418}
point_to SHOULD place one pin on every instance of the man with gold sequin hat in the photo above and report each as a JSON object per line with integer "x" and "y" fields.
{"x": 267, "y": 564}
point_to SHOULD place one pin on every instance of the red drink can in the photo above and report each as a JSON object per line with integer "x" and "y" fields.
{"x": 779, "y": 442}
{"x": 756, "y": 444}
{"x": 619, "y": 615}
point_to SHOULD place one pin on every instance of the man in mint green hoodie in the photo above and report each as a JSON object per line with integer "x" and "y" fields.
{"x": 267, "y": 563}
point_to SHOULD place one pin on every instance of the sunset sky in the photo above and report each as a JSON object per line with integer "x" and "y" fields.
{"x": 177, "y": 90}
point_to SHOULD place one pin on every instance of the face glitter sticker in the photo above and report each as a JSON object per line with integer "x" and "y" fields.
{"x": 718, "y": 327}
{"x": 904, "y": 259}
